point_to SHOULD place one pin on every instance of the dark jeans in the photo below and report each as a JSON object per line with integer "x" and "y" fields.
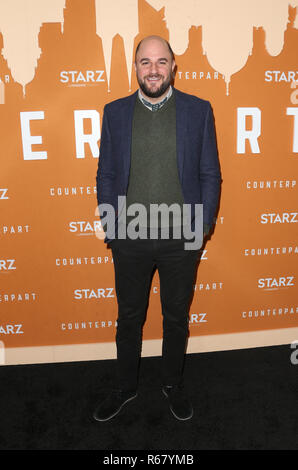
{"x": 134, "y": 262}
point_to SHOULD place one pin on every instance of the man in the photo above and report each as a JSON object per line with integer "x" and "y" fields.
{"x": 157, "y": 146}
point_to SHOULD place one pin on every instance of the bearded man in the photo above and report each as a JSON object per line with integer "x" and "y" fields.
{"x": 158, "y": 146}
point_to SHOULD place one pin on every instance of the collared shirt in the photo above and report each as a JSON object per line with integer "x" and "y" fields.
{"x": 155, "y": 106}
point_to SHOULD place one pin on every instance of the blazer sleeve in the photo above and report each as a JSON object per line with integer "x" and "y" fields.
{"x": 105, "y": 172}
{"x": 210, "y": 176}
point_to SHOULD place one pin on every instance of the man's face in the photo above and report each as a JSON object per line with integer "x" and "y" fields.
{"x": 154, "y": 67}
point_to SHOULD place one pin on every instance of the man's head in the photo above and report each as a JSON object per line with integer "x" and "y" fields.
{"x": 154, "y": 64}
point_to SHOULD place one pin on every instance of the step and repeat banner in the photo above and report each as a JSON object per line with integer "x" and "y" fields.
{"x": 61, "y": 61}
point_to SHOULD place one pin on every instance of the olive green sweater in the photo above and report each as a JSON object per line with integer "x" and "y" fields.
{"x": 154, "y": 173}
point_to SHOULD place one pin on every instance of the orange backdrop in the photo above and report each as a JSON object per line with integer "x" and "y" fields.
{"x": 61, "y": 61}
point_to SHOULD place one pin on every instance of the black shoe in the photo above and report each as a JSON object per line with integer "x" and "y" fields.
{"x": 112, "y": 404}
{"x": 179, "y": 403}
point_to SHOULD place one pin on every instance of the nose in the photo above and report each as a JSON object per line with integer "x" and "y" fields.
{"x": 153, "y": 68}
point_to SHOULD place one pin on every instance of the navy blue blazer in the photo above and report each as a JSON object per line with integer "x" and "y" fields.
{"x": 197, "y": 156}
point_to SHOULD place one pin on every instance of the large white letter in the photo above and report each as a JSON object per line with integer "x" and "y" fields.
{"x": 82, "y": 138}
{"x": 28, "y": 139}
{"x": 294, "y": 112}
{"x": 243, "y": 133}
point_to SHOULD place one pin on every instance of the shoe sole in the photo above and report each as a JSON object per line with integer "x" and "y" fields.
{"x": 116, "y": 412}
{"x": 177, "y": 417}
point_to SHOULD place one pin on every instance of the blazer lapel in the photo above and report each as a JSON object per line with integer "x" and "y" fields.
{"x": 181, "y": 127}
{"x": 127, "y": 117}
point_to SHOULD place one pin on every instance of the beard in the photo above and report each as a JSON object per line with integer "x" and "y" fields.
{"x": 157, "y": 92}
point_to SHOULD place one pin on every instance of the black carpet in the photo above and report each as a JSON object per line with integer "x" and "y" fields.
{"x": 243, "y": 400}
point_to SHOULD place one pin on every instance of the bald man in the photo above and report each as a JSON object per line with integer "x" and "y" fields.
{"x": 158, "y": 149}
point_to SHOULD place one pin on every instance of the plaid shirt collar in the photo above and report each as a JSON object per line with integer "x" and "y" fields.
{"x": 155, "y": 106}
